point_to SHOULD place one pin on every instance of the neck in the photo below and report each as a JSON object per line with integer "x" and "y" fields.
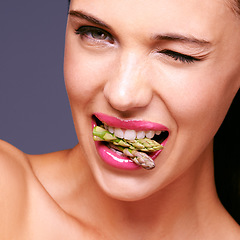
{"x": 177, "y": 208}
{"x": 180, "y": 208}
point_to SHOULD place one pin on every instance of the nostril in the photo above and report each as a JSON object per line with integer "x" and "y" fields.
{"x": 118, "y": 99}
{"x": 124, "y": 104}
{"x": 127, "y": 99}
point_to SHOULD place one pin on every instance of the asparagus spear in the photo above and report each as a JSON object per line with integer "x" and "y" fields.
{"x": 140, "y": 158}
{"x": 144, "y": 145}
{"x": 132, "y": 148}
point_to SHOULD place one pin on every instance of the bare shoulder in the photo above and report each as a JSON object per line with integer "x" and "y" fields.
{"x": 228, "y": 228}
{"x": 13, "y": 186}
{"x": 9, "y": 150}
{"x": 13, "y": 163}
{"x": 235, "y": 231}
{"x": 26, "y": 196}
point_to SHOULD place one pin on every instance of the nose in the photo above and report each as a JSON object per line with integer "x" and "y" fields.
{"x": 128, "y": 87}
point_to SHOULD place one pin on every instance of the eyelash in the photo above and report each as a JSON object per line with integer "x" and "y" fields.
{"x": 89, "y": 31}
{"x": 179, "y": 56}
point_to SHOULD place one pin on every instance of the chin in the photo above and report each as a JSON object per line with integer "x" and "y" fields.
{"x": 125, "y": 187}
{"x": 127, "y": 194}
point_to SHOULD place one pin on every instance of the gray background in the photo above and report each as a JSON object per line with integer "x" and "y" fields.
{"x": 34, "y": 110}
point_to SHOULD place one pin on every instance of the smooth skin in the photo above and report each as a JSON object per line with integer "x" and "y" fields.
{"x": 171, "y": 62}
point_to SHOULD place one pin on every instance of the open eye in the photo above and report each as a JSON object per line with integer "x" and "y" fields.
{"x": 179, "y": 56}
{"x": 94, "y": 34}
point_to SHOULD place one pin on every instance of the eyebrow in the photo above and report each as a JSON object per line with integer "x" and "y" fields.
{"x": 88, "y": 17}
{"x": 181, "y": 38}
{"x": 159, "y": 37}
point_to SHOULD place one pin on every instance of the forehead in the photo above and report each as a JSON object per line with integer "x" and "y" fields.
{"x": 156, "y": 8}
{"x": 193, "y": 16}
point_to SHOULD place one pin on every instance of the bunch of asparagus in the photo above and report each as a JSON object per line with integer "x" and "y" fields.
{"x": 135, "y": 149}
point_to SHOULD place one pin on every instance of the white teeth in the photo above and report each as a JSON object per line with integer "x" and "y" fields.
{"x": 140, "y": 135}
{"x": 119, "y": 132}
{"x": 150, "y": 134}
{"x": 130, "y": 134}
{"x": 110, "y": 129}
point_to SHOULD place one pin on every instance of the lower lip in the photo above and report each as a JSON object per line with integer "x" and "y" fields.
{"x": 113, "y": 159}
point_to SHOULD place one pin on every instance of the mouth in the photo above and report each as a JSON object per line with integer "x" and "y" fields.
{"x": 133, "y": 132}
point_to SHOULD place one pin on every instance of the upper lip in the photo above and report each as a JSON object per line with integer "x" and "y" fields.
{"x": 137, "y": 125}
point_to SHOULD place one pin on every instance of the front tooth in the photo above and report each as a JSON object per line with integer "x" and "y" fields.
{"x": 150, "y": 134}
{"x": 119, "y": 132}
{"x": 130, "y": 134}
{"x": 111, "y": 129}
{"x": 140, "y": 135}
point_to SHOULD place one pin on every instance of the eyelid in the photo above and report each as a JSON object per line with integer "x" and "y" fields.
{"x": 83, "y": 30}
{"x": 184, "y": 58}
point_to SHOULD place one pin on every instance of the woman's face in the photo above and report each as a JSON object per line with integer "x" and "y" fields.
{"x": 174, "y": 63}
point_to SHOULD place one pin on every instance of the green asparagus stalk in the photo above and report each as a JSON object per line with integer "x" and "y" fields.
{"x": 144, "y": 145}
{"x": 140, "y": 158}
{"x": 135, "y": 149}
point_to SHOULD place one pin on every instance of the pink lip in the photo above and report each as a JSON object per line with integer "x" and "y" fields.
{"x": 112, "y": 158}
{"x": 137, "y": 125}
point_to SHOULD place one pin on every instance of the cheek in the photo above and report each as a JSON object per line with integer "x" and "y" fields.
{"x": 199, "y": 102}
{"x": 80, "y": 79}
{"x": 84, "y": 74}
{"x": 192, "y": 102}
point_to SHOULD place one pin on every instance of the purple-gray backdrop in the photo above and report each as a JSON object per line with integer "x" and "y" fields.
{"x": 34, "y": 110}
